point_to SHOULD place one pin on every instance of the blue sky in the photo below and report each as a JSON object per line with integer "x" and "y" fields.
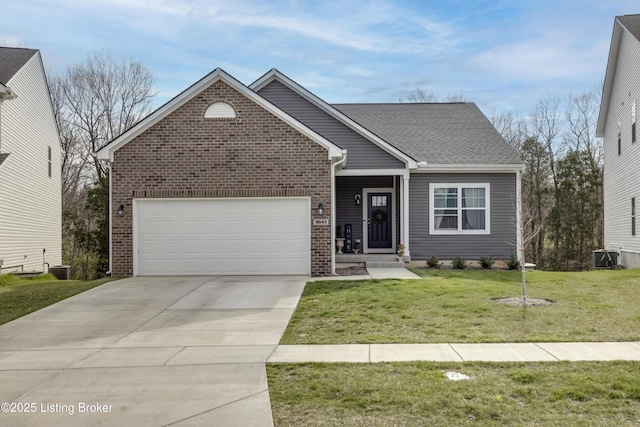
{"x": 503, "y": 55}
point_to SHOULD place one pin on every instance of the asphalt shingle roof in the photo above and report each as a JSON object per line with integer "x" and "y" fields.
{"x": 437, "y": 133}
{"x": 11, "y": 60}
{"x": 631, "y": 23}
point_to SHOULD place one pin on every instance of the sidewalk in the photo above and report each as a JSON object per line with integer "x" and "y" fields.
{"x": 493, "y": 352}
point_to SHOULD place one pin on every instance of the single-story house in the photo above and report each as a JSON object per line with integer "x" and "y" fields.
{"x": 233, "y": 179}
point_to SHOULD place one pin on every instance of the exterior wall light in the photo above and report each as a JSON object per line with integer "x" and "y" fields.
{"x": 121, "y": 210}
{"x": 358, "y": 199}
{"x": 320, "y": 209}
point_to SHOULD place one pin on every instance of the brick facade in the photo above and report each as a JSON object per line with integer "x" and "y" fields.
{"x": 254, "y": 155}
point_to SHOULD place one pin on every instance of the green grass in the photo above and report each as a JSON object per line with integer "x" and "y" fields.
{"x": 21, "y": 296}
{"x": 418, "y": 393}
{"x": 456, "y": 306}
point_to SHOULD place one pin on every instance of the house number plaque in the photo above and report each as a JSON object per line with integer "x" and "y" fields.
{"x": 322, "y": 221}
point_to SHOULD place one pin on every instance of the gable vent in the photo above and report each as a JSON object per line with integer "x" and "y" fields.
{"x": 220, "y": 110}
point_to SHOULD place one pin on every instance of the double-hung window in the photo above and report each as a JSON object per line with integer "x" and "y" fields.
{"x": 633, "y": 121}
{"x": 633, "y": 216}
{"x": 459, "y": 209}
{"x": 49, "y": 162}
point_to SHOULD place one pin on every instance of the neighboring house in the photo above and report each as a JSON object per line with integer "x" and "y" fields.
{"x": 230, "y": 179}
{"x": 619, "y": 110}
{"x": 30, "y": 179}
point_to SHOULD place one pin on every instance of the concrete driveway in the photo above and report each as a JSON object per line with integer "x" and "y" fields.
{"x": 148, "y": 351}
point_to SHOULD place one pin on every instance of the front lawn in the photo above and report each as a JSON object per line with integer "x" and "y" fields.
{"x": 457, "y": 306}
{"x": 419, "y": 394}
{"x": 19, "y": 297}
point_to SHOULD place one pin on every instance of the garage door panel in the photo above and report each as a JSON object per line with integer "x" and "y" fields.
{"x": 222, "y": 236}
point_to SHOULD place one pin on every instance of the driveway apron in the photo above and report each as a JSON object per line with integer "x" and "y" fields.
{"x": 148, "y": 351}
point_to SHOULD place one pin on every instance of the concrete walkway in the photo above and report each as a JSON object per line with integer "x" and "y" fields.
{"x": 509, "y": 352}
{"x": 183, "y": 351}
{"x": 374, "y": 273}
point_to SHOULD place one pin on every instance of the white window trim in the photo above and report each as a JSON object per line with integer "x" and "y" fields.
{"x": 220, "y": 110}
{"x": 487, "y": 193}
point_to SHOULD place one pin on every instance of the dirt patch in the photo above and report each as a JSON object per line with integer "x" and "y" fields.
{"x": 518, "y": 301}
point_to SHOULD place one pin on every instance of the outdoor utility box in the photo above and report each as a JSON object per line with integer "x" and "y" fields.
{"x": 605, "y": 259}
{"x": 62, "y": 272}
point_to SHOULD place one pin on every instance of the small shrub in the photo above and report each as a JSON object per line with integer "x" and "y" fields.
{"x": 433, "y": 262}
{"x": 486, "y": 261}
{"x": 459, "y": 263}
{"x": 513, "y": 263}
{"x": 8, "y": 280}
{"x": 523, "y": 377}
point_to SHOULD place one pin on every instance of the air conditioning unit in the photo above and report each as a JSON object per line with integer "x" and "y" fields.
{"x": 605, "y": 259}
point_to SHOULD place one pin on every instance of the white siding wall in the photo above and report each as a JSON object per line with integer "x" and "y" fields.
{"x": 30, "y": 201}
{"x": 622, "y": 173}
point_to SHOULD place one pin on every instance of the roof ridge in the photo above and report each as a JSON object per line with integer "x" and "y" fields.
{"x": 403, "y": 103}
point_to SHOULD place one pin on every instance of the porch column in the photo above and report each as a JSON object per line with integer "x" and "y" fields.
{"x": 404, "y": 212}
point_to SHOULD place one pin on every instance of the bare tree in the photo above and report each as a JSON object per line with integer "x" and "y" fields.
{"x": 513, "y": 128}
{"x": 546, "y": 127}
{"x": 582, "y": 120}
{"x": 101, "y": 98}
{"x": 421, "y": 96}
{"x": 74, "y": 154}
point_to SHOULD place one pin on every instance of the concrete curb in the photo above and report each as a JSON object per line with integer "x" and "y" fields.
{"x": 457, "y": 352}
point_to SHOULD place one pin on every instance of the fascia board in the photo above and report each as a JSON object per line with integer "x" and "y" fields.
{"x": 612, "y": 64}
{"x": 364, "y": 132}
{"x": 107, "y": 152}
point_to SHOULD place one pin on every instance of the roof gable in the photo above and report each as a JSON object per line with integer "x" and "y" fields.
{"x": 12, "y": 59}
{"x": 436, "y": 133}
{"x": 106, "y": 152}
{"x": 621, "y": 24}
{"x": 274, "y": 74}
{"x": 631, "y": 23}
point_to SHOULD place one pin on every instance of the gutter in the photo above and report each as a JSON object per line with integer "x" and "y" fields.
{"x": 466, "y": 168}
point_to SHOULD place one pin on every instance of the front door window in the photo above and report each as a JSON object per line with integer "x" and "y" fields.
{"x": 379, "y": 220}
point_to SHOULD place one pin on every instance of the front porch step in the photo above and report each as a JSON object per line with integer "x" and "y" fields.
{"x": 385, "y": 264}
{"x": 350, "y": 258}
{"x": 371, "y": 260}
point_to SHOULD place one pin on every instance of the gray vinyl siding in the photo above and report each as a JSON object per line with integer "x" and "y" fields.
{"x": 362, "y": 153}
{"x": 498, "y": 244}
{"x": 622, "y": 172}
{"x": 347, "y": 212}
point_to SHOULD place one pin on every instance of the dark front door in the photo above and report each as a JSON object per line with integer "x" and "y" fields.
{"x": 379, "y": 220}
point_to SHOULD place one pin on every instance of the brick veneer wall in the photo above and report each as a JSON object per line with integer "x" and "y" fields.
{"x": 254, "y": 155}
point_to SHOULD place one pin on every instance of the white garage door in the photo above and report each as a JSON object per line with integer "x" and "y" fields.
{"x": 221, "y": 236}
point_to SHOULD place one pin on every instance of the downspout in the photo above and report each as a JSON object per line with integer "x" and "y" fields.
{"x": 333, "y": 209}
{"x": 110, "y": 272}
